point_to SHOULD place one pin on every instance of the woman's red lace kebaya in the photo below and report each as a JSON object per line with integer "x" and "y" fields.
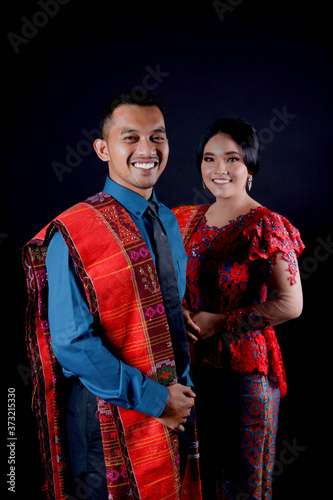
{"x": 227, "y": 272}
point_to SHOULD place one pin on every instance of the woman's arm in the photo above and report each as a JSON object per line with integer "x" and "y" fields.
{"x": 285, "y": 302}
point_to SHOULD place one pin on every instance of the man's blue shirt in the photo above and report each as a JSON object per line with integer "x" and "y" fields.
{"x": 74, "y": 340}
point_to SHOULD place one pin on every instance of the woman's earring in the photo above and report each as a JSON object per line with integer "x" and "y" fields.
{"x": 249, "y": 182}
{"x": 203, "y": 184}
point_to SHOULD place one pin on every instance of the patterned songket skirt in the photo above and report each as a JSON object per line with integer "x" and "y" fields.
{"x": 237, "y": 424}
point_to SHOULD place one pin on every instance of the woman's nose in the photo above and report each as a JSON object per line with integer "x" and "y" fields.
{"x": 221, "y": 168}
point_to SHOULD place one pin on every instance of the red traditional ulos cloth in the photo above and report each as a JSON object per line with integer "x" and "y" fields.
{"x": 141, "y": 455}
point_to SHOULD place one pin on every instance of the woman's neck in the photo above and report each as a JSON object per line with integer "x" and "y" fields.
{"x": 225, "y": 209}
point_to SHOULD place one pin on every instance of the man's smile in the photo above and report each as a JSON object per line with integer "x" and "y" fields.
{"x": 145, "y": 165}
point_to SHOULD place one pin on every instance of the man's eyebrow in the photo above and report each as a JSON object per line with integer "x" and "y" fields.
{"x": 131, "y": 130}
{"x": 128, "y": 130}
{"x": 160, "y": 129}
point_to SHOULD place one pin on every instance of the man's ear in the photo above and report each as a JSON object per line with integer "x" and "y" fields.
{"x": 101, "y": 149}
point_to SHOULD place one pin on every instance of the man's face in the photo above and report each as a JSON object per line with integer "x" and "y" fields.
{"x": 135, "y": 147}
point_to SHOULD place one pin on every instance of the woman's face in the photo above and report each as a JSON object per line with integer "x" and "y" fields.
{"x": 223, "y": 169}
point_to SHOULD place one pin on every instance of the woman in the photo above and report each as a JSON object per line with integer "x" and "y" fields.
{"x": 242, "y": 279}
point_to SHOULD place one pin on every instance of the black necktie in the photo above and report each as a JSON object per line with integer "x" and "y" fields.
{"x": 169, "y": 288}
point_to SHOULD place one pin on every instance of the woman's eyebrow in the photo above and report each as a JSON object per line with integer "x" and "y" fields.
{"x": 232, "y": 153}
{"x": 227, "y": 153}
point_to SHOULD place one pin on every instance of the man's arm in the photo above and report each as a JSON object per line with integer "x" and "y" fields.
{"x": 79, "y": 349}
{"x": 81, "y": 353}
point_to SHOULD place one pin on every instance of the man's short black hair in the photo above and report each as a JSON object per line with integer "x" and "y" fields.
{"x": 128, "y": 97}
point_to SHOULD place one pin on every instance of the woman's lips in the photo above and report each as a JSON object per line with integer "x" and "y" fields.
{"x": 221, "y": 181}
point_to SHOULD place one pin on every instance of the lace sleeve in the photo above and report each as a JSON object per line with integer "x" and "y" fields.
{"x": 273, "y": 234}
{"x": 284, "y": 301}
{"x": 244, "y": 320}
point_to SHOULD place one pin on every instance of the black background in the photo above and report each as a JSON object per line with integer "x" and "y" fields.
{"x": 256, "y": 60}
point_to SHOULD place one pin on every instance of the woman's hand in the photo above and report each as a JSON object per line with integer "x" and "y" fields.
{"x": 209, "y": 323}
{"x": 202, "y": 324}
{"x": 192, "y": 330}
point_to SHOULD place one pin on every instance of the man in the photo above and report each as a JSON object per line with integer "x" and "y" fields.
{"x": 97, "y": 309}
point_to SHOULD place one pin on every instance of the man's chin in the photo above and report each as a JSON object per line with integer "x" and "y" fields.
{"x": 147, "y": 180}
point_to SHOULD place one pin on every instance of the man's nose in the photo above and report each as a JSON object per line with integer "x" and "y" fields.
{"x": 146, "y": 148}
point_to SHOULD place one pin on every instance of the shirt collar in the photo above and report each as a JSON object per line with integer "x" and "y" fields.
{"x": 131, "y": 201}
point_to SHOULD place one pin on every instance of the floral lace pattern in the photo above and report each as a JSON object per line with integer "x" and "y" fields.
{"x": 224, "y": 274}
